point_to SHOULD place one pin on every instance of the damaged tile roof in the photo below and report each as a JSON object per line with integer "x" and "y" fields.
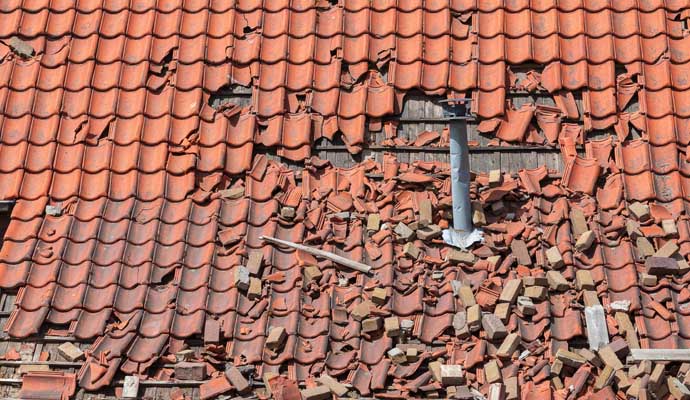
{"x": 142, "y": 192}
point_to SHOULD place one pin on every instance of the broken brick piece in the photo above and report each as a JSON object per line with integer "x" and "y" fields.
{"x": 451, "y": 374}
{"x": 644, "y": 247}
{"x": 535, "y": 292}
{"x": 535, "y": 281}
{"x": 661, "y": 266}
{"x": 590, "y": 298}
{"x": 411, "y": 251}
{"x": 70, "y": 352}
{"x": 509, "y": 345}
{"x": 585, "y": 241}
{"x": 238, "y": 380}
{"x": 502, "y": 311}
{"x": 669, "y": 227}
{"x": 190, "y": 371}
{"x": 526, "y": 306}
{"x": 412, "y": 354}
{"x": 404, "y": 232}
{"x": 242, "y": 278}
{"x": 467, "y": 296}
{"x": 494, "y": 328}
{"x": 553, "y": 255}
{"x": 667, "y": 250}
{"x": 556, "y": 281}
{"x": 584, "y": 280}
{"x": 604, "y": 378}
{"x": 511, "y": 290}
{"x": 312, "y": 273}
{"x": 639, "y": 210}
{"x": 379, "y": 295}
{"x": 429, "y": 232}
{"x": 371, "y": 324}
{"x": 288, "y": 213}
{"x": 495, "y": 177}
{"x": 373, "y": 222}
{"x": 478, "y": 216}
{"x": 254, "y": 291}
{"x": 609, "y": 357}
{"x": 578, "y": 223}
{"x": 521, "y": 253}
{"x": 648, "y": 280}
{"x": 474, "y": 318}
{"x": 392, "y": 326}
{"x": 361, "y": 310}
{"x": 492, "y": 372}
{"x": 254, "y": 262}
{"x": 460, "y": 324}
{"x": 276, "y": 337}
{"x": 459, "y": 256}
{"x": 397, "y": 356}
{"x": 130, "y": 388}
{"x": 333, "y": 385}
{"x": 317, "y": 393}
{"x": 425, "y": 213}
{"x": 435, "y": 368}
{"x": 569, "y": 358}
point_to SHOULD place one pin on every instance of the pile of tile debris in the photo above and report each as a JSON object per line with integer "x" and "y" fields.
{"x": 549, "y": 306}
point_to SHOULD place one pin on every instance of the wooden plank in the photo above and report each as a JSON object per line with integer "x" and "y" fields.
{"x": 681, "y": 355}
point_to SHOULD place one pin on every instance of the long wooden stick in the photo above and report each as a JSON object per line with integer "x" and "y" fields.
{"x": 357, "y": 266}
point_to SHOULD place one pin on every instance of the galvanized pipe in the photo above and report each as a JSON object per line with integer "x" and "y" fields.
{"x": 460, "y": 176}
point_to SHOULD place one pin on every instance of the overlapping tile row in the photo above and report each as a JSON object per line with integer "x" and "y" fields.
{"x": 149, "y": 73}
